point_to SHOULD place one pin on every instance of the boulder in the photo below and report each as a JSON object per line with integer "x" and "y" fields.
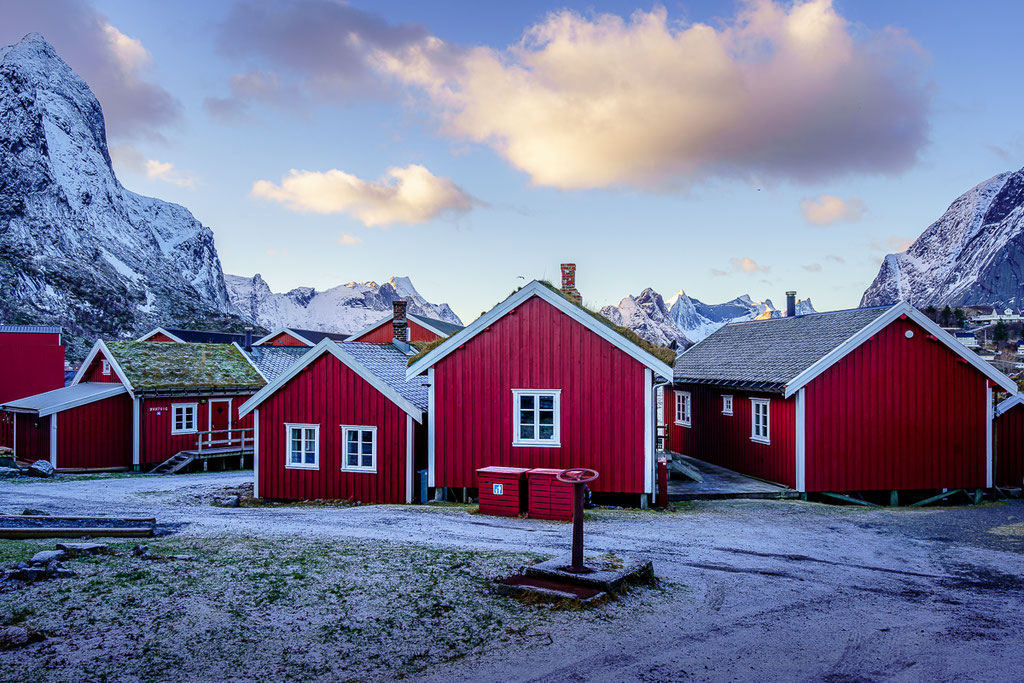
{"x": 141, "y": 551}
{"x": 33, "y": 512}
{"x": 83, "y": 549}
{"x": 9, "y": 472}
{"x": 41, "y": 468}
{"x": 231, "y": 502}
{"x": 45, "y": 557}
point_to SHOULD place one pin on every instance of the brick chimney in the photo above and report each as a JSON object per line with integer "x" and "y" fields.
{"x": 399, "y": 321}
{"x": 790, "y": 304}
{"x": 569, "y": 282}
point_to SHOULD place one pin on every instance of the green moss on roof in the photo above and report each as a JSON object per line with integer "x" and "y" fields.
{"x": 423, "y": 348}
{"x": 155, "y": 367}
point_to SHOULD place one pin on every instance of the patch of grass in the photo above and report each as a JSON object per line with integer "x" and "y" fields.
{"x": 1008, "y": 530}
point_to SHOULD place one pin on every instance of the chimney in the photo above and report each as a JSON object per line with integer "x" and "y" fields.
{"x": 569, "y": 282}
{"x": 790, "y": 304}
{"x": 399, "y": 321}
{"x": 248, "y": 339}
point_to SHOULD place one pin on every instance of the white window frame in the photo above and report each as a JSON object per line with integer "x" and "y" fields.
{"x": 727, "y": 402}
{"x": 288, "y": 427}
{"x": 194, "y": 407}
{"x": 754, "y": 436}
{"x": 556, "y": 440}
{"x": 344, "y": 449}
{"x": 684, "y": 418}
{"x": 105, "y": 367}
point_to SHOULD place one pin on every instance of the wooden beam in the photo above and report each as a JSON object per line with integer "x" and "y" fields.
{"x": 926, "y": 501}
{"x": 75, "y": 532}
{"x": 849, "y": 499}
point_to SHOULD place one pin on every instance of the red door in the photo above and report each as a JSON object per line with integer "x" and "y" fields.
{"x": 220, "y": 421}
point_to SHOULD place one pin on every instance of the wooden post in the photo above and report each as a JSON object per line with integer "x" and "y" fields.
{"x": 663, "y": 483}
{"x": 894, "y": 498}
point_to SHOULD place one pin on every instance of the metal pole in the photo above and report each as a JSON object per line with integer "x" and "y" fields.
{"x": 577, "y": 527}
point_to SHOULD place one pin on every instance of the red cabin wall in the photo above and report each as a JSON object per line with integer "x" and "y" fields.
{"x": 284, "y": 339}
{"x": 385, "y": 332}
{"x": 31, "y": 366}
{"x": 32, "y": 437}
{"x": 94, "y": 373}
{"x": 29, "y": 339}
{"x": 160, "y": 337}
{"x": 539, "y": 347}
{"x": 96, "y": 435}
{"x": 724, "y": 440}
{"x": 896, "y": 413}
{"x": 6, "y": 429}
{"x": 158, "y": 443}
{"x": 328, "y": 393}
{"x": 1009, "y": 438}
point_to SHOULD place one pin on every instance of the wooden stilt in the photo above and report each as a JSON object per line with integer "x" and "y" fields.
{"x": 894, "y": 498}
{"x": 944, "y": 494}
{"x": 849, "y": 499}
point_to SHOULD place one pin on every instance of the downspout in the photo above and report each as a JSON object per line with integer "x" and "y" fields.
{"x": 654, "y": 447}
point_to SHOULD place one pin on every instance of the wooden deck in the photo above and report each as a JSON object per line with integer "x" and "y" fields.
{"x": 721, "y": 484}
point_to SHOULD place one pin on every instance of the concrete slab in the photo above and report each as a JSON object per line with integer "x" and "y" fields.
{"x": 611, "y": 572}
{"x": 719, "y": 483}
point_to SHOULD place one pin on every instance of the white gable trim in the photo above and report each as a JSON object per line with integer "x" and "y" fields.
{"x": 159, "y": 330}
{"x": 283, "y": 330}
{"x": 332, "y": 347}
{"x": 246, "y": 356}
{"x": 879, "y": 324}
{"x": 97, "y": 348}
{"x": 1008, "y": 403}
{"x": 537, "y": 289}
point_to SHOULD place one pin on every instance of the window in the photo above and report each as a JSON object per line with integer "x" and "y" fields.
{"x": 759, "y": 420}
{"x": 183, "y": 417}
{"x": 360, "y": 448}
{"x": 537, "y": 417}
{"x": 726, "y": 405}
{"x": 683, "y": 408}
{"x": 302, "y": 447}
{"x": 105, "y": 366}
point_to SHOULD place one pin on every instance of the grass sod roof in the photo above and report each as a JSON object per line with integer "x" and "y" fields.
{"x": 174, "y": 367}
{"x": 662, "y": 353}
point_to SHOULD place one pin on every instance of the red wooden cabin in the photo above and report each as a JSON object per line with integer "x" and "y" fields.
{"x": 178, "y": 336}
{"x": 1009, "y": 442}
{"x": 876, "y": 399}
{"x": 341, "y": 423}
{"x": 539, "y": 381}
{"x": 287, "y": 336}
{"x": 133, "y": 405}
{"x": 420, "y": 328}
{"x": 33, "y": 363}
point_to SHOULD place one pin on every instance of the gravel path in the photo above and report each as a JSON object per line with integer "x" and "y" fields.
{"x": 765, "y": 590}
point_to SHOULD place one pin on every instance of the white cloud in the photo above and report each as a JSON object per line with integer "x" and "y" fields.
{"x": 812, "y": 267}
{"x": 165, "y": 171}
{"x": 349, "y": 240}
{"x": 406, "y": 195}
{"x": 748, "y": 265}
{"x": 828, "y": 209}
{"x": 790, "y": 92}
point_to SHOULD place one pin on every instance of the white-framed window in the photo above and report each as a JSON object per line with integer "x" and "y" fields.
{"x": 684, "y": 405}
{"x": 183, "y": 418}
{"x": 726, "y": 405}
{"x": 759, "y": 420}
{"x": 105, "y": 366}
{"x": 536, "y": 417}
{"x": 302, "y": 446}
{"x": 360, "y": 444}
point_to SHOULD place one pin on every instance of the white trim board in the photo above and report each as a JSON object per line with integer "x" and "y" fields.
{"x": 410, "y": 467}
{"x": 801, "y": 442}
{"x": 53, "y": 440}
{"x": 878, "y": 324}
{"x": 334, "y": 348}
{"x": 649, "y": 430}
{"x": 160, "y": 330}
{"x": 431, "y": 429}
{"x": 989, "y": 461}
{"x": 283, "y": 330}
{"x": 256, "y": 454}
{"x": 535, "y": 288}
{"x": 97, "y": 348}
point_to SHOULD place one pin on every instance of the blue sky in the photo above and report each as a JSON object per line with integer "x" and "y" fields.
{"x": 717, "y": 222}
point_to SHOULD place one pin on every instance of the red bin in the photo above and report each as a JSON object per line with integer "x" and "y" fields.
{"x": 502, "y": 490}
{"x": 548, "y": 497}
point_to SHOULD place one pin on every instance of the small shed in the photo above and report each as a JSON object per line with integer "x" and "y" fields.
{"x": 33, "y": 363}
{"x": 503, "y": 490}
{"x": 1009, "y": 442}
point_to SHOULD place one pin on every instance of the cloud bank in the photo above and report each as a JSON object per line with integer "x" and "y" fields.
{"x": 828, "y": 209}
{"x": 793, "y": 93}
{"x": 406, "y": 195}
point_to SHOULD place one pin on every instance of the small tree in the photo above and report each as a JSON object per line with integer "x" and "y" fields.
{"x": 1001, "y": 333}
{"x": 931, "y": 312}
{"x": 961, "y": 316}
{"x": 947, "y": 315}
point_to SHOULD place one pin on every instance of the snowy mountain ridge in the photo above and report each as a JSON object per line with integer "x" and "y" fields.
{"x": 346, "y": 308}
{"x": 972, "y": 255}
{"x": 682, "y": 320}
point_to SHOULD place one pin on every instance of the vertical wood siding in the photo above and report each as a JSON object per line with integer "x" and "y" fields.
{"x": 29, "y": 339}
{"x": 284, "y": 339}
{"x": 29, "y": 370}
{"x": 724, "y": 440}
{"x": 158, "y": 443}
{"x": 6, "y": 429}
{"x": 539, "y": 347}
{"x": 385, "y": 332}
{"x": 95, "y": 371}
{"x": 1009, "y": 437}
{"x": 328, "y": 393}
{"x": 33, "y": 437}
{"x": 160, "y": 337}
{"x": 896, "y": 413}
{"x": 97, "y": 435}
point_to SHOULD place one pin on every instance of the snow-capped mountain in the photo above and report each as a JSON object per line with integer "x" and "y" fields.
{"x": 682, "y": 320}
{"x": 76, "y": 248}
{"x": 345, "y": 308}
{"x": 972, "y": 255}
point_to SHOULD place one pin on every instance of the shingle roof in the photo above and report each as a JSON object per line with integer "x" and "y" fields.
{"x": 31, "y": 329}
{"x": 448, "y": 329}
{"x": 274, "y": 361}
{"x": 317, "y": 336}
{"x": 65, "y": 398}
{"x": 388, "y": 363}
{"x": 207, "y": 337}
{"x": 767, "y": 354}
{"x": 174, "y": 367}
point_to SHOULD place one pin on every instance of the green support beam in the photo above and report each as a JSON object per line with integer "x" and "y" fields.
{"x": 927, "y": 501}
{"x": 850, "y": 499}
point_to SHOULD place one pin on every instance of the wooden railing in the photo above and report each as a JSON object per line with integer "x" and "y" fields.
{"x": 241, "y": 439}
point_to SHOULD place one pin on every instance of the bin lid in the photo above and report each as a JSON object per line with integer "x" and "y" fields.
{"x": 543, "y": 472}
{"x": 502, "y": 470}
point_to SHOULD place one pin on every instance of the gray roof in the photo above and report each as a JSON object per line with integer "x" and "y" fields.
{"x": 768, "y": 354}
{"x": 66, "y": 397}
{"x": 388, "y": 363}
{"x": 274, "y": 361}
{"x": 32, "y": 329}
{"x": 448, "y": 329}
